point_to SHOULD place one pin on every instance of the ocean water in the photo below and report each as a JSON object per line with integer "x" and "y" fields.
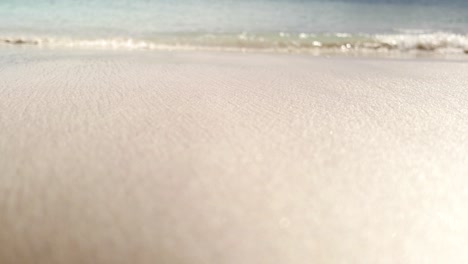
{"x": 264, "y": 25}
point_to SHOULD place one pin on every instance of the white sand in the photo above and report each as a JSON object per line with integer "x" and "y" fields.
{"x": 110, "y": 157}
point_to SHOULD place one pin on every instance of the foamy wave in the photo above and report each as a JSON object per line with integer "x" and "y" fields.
{"x": 445, "y": 43}
{"x": 130, "y": 44}
{"x": 440, "y": 42}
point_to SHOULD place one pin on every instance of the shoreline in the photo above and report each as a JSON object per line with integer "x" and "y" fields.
{"x": 437, "y": 42}
{"x": 406, "y": 56}
{"x": 342, "y": 47}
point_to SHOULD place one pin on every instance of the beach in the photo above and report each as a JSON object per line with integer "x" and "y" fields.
{"x": 228, "y": 157}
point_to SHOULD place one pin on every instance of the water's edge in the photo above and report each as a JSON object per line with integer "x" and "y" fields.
{"x": 438, "y": 43}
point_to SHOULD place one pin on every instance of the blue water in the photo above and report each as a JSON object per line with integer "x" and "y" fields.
{"x": 287, "y": 24}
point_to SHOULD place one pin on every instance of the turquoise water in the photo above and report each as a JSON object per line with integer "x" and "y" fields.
{"x": 294, "y": 25}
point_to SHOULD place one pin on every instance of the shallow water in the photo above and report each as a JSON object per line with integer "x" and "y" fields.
{"x": 277, "y": 25}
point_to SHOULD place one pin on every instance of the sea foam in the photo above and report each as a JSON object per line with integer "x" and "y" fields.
{"x": 438, "y": 42}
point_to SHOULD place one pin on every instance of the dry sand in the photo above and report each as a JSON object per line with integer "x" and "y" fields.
{"x": 134, "y": 157}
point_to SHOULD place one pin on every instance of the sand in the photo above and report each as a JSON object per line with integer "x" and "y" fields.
{"x": 192, "y": 157}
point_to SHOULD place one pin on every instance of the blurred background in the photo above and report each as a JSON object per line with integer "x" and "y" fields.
{"x": 277, "y": 25}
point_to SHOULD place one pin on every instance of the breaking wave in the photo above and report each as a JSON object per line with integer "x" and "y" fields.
{"x": 406, "y": 42}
